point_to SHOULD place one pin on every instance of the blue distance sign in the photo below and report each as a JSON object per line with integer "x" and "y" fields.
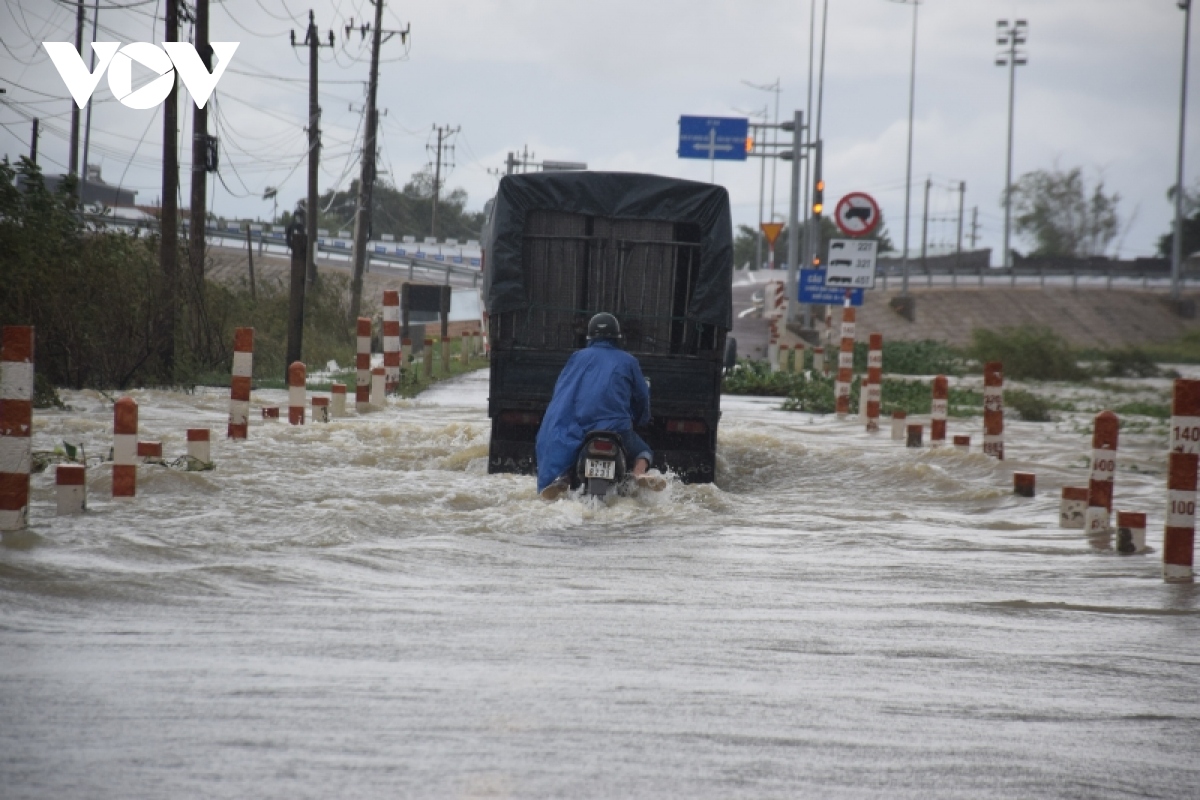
{"x": 813, "y": 290}
{"x": 713, "y": 138}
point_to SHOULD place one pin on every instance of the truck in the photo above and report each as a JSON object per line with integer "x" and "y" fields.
{"x": 657, "y": 252}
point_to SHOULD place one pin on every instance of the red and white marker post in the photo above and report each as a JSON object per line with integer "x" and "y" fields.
{"x": 320, "y": 409}
{"x": 379, "y": 387}
{"x": 874, "y": 381}
{"x": 16, "y": 425}
{"x": 338, "y": 394}
{"x": 1072, "y": 508}
{"x": 1179, "y": 538}
{"x": 899, "y": 425}
{"x": 362, "y": 385}
{"x": 937, "y": 415}
{"x": 391, "y": 340}
{"x": 199, "y": 445}
{"x": 1185, "y": 416}
{"x": 125, "y": 458}
{"x": 70, "y": 483}
{"x": 239, "y": 391}
{"x": 993, "y": 409}
{"x": 841, "y": 387}
{"x": 1098, "y": 518}
{"x": 297, "y": 392}
{"x": 963, "y": 443}
{"x": 1131, "y": 532}
{"x": 818, "y": 361}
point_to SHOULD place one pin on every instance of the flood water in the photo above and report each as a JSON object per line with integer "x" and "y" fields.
{"x": 358, "y": 610}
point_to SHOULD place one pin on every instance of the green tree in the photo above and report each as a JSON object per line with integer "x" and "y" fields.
{"x": 1062, "y": 214}
{"x": 403, "y": 212}
{"x": 1191, "y": 224}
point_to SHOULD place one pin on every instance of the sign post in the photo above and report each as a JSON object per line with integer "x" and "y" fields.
{"x": 857, "y": 214}
{"x": 771, "y": 230}
{"x": 851, "y": 263}
{"x": 714, "y": 138}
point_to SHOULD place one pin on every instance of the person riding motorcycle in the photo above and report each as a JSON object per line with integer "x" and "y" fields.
{"x": 600, "y": 388}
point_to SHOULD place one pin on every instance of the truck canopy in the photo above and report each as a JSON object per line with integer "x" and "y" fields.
{"x": 695, "y": 212}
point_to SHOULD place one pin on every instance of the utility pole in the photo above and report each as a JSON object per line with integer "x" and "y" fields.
{"x": 197, "y": 217}
{"x": 366, "y": 181}
{"x": 33, "y": 142}
{"x": 974, "y": 226}
{"x": 793, "y": 224}
{"x": 87, "y": 131}
{"x": 912, "y": 93}
{"x": 925, "y": 228}
{"x": 168, "y": 242}
{"x": 312, "y": 40}
{"x": 73, "y": 156}
{"x": 443, "y": 133}
{"x": 962, "y": 195}
{"x": 1177, "y": 239}
{"x": 1009, "y": 37}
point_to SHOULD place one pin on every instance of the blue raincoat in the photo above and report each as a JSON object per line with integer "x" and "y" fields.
{"x": 600, "y": 388}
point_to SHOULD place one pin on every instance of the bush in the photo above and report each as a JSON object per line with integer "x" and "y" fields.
{"x": 94, "y": 298}
{"x": 756, "y": 377}
{"x": 1027, "y": 353}
{"x": 1029, "y": 406}
{"x": 1130, "y": 362}
{"x": 814, "y": 394}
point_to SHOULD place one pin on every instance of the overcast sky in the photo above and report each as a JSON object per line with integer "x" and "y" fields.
{"x": 605, "y": 82}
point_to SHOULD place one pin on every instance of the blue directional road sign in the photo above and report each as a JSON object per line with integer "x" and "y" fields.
{"x": 713, "y": 138}
{"x": 813, "y": 290}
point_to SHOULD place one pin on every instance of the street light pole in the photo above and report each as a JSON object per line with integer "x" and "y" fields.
{"x": 1009, "y": 36}
{"x": 1177, "y": 239}
{"x": 912, "y": 86}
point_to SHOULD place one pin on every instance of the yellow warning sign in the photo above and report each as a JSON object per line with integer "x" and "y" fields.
{"x": 771, "y": 230}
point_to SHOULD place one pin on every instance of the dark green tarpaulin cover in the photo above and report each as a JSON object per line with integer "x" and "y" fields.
{"x": 618, "y": 195}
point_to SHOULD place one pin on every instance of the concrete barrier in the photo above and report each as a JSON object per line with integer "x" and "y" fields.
{"x": 16, "y": 425}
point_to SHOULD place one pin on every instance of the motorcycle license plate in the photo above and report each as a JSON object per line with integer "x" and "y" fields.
{"x": 601, "y": 469}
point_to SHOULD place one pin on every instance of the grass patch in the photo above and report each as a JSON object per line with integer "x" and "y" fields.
{"x": 1028, "y": 353}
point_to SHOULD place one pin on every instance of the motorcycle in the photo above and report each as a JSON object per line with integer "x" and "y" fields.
{"x": 601, "y": 465}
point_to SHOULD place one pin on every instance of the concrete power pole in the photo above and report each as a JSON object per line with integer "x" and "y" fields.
{"x": 366, "y": 181}
{"x": 199, "y": 200}
{"x": 168, "y": 243}
{"x": 443, "y": 133}
{"x": 73, "y": 156}
{"x": 312, "y": 40}
{"x": 925, "y": 229}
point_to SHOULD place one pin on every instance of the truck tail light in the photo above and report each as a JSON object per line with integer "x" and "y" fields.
{"x": 686, "y": 426}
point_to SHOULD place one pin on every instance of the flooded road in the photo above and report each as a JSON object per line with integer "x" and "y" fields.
{"x": 359, "y": 610}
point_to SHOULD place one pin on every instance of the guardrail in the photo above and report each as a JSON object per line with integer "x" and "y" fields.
{"x": 458, "y": 270}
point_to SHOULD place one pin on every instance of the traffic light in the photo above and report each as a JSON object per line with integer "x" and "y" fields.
{"x": 749, "y": 144}
{"x": 819, "y": 198}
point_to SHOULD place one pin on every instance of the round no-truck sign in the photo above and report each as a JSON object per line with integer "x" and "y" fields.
{"x": 856, "y": 214}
